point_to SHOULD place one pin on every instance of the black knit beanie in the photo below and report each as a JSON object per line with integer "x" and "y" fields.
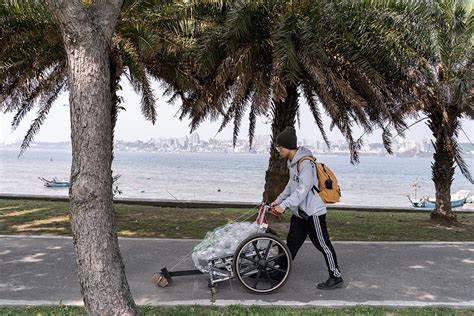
{"x": 287, "y": 138}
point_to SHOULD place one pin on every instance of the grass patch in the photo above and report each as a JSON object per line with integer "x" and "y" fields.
{"x": 246, "y": 310}
{"x": 51, "y": 218}
{"x": 386, "y": 226}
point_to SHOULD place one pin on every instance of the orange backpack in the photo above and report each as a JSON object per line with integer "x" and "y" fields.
{"x": 329, "y": 190}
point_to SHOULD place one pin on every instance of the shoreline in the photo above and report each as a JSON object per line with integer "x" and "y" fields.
{"x": 225, "y": 204}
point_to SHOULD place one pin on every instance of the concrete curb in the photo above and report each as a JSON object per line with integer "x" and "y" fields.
{"x": 219, "y": 204}
{"x": 318, "y": 303}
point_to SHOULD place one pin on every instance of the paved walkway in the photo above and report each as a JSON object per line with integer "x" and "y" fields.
{"x": 41, "y": 270}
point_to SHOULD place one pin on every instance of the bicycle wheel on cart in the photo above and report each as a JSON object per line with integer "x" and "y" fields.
{"x": 262, "y": 263}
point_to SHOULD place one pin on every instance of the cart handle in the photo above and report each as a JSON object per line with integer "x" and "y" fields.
{"x": 261, "y": 217}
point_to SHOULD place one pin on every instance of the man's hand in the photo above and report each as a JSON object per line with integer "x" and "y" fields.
{"x": 277, "y": 210}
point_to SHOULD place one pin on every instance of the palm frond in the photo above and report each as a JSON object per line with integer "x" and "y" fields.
{"x": 238, "y": 114}
{"x": 286, "y": 49}
{"x": 313, "y": 106}
{"x": 45, "y": 105}
{"x": 35, "y": 89}
{"x": 139, "y": 79}
{"x": 239, "y": 101}
{"x": 387, "y": 139}
{"x": 461, "y": 163}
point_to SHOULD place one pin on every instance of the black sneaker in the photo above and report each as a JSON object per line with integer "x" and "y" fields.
{"x": 331, "y": 284}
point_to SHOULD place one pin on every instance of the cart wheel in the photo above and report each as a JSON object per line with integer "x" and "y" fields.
{"x": 262, "y": 263}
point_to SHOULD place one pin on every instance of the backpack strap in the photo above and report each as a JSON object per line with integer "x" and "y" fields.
{"x": 312, "y": 160}
{"x": 324, "y": 169}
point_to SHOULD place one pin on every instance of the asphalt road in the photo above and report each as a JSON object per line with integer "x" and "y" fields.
{"x": 41, "y": 270}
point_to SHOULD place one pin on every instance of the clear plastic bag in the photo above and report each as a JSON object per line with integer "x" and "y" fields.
{"x": 222, "y": 242}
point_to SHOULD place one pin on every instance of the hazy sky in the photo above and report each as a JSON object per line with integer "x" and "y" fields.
{"x": 132, "y": 125}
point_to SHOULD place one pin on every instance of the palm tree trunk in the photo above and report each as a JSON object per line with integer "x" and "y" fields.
{"x": 443, "y": 167}
{"x": 100, "y": 267}
{"x": 87, "y": 33}
{"x": 284, "y": 114}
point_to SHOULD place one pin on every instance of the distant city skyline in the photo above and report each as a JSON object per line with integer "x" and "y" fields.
{"x": 261, "y": 144}
{"x": 132, "y": 126}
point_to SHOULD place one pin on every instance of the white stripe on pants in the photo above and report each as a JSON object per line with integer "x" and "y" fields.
{"x": 327, "y": 251}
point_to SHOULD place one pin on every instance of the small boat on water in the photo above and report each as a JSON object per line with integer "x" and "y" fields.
{"x": 55, "y": 183}
{"x": 61, "y": 183}
{"x": 458, "y": 199}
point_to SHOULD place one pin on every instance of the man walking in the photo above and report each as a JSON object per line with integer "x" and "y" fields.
{"x": 307, "y": 208}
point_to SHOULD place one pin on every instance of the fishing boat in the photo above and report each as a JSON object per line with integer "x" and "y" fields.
{"x": 458, "y": 199}
{"x": 55, "y": 183}
{"x": 61, "y": 183}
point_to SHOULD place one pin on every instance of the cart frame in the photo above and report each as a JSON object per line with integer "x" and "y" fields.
{"x": 261, "y": 263}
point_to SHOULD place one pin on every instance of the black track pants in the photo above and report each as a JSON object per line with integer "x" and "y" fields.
{"x": 315, "y": 227}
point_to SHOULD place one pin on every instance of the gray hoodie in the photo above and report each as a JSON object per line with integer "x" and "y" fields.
{"x": 297, "y": 193}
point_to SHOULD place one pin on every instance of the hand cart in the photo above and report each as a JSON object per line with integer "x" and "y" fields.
{"x": 261, "y": 262}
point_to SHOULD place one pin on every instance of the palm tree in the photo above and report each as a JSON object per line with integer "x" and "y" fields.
{"x": 267, "y": 54}
{"x": 441, "y": 52}
{"x": 43, "y": 56}
{"x": 450, "y": 94}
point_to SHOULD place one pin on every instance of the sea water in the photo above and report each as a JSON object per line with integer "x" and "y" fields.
{"x": 375, "y": 181}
